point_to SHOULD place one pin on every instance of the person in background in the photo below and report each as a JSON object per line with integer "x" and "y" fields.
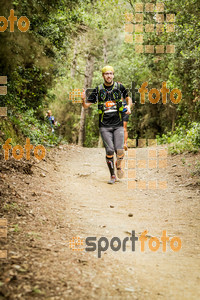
{"x": 51, "y": 120}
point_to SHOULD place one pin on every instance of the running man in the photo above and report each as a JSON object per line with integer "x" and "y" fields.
{"x": 109, "y": 96}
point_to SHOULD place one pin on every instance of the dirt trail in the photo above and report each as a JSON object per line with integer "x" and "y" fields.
{"x": 73, "y": 199}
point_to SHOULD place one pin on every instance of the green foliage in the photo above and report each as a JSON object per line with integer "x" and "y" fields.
{"x": 196, "y": 170}
{"x": 183, "y": 139}
{"x": 31, "y": 61}
{"x": 39, "y": 131}
{"x": 92, "y": 130}
{"x": 38, "y": 65}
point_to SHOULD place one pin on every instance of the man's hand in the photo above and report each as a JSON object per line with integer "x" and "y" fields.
{"x": 83, "y": 97}
{"x": 129, "y": 105}
{"x": 128, "y": 112}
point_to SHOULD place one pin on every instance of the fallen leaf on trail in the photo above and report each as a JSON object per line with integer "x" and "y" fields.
{"x": 15, "y": 256}
{"x": 84, "y": 262}
{"x": 128, "y": 232}
{"x": 129, "y": 290}
{"x": 17, "y": 267}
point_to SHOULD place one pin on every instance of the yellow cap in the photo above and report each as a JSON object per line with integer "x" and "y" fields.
{"x": 107, "y": 68}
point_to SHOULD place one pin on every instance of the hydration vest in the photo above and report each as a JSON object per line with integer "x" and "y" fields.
{"x": 112, "y": 96}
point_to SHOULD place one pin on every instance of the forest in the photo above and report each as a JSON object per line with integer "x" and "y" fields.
{"x": 141, "y": 227}
{"x": 65, "y": 48}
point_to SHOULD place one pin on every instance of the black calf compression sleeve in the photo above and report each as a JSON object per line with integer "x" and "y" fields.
{"x": 110, "y": 163}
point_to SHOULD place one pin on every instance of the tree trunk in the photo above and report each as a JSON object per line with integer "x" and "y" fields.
{"x": 74, "y": 61}
{"x": 105, "y": 58}
{"x": 81, "y": 135}
{"x": 173, "y": 118}
{"x": 88, "y": 82}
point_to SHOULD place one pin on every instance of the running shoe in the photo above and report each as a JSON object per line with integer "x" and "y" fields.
{"x": 112, "y": 179}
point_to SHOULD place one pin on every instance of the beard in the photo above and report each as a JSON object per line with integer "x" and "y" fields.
{"x": 109, "y": 81}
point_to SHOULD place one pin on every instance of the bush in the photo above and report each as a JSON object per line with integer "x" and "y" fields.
{"x": 183, "y": 139}
{"x": 39, "y": 131}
